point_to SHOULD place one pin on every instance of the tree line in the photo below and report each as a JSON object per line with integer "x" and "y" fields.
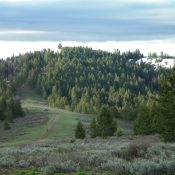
{"x": 81, "y": 79}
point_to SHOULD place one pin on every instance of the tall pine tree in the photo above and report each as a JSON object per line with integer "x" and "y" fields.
{"x": 80, "y": 131}
{"x": 165, "y": 119}
{"x": 106, "y": 125}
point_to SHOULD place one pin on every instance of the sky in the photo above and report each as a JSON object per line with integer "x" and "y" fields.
{"x": 148, "y": 25}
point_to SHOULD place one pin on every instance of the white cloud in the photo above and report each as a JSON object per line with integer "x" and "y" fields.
{"x": 8, "y": 48}
{"x": 22, "y": 32}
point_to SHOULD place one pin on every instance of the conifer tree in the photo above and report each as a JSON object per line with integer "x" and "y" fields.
{"x": 106, "y": 125}
{"x": 143, "y": 122}
{"x": 80, "y": 131}
{"x": 6, "y": 125}
{"x": 94, "y": 132}
{"x": 165, "y": 118}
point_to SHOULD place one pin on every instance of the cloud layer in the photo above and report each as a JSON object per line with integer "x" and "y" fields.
{"x": 87, "y": 20}
{"x": 8, "y": 48}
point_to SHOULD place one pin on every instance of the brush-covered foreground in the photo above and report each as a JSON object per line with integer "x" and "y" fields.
{"x": 118, "y": 156}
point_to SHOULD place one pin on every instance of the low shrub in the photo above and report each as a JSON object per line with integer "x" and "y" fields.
{"x": 7, "y": 162}
{"x": 119, "y": 132}
{"x": 145, "y": 167}
{"x": 139, "y": 167}
{"x": 72, "y": 141}
{"x": 63, "y": 167}
{"x": 119, "y": 166}
{"x": 132, "y": 151}
{"x": 95, "y": 161}
{"x": 23, "y": 164}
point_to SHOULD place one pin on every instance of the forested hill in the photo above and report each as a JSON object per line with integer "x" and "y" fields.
{"x": 81, "y": 79}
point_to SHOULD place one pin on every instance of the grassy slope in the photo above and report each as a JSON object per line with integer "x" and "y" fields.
{"x": 41, "y": 122}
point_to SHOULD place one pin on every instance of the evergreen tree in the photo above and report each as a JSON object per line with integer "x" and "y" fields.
{"x": 80, "y": 131}
{"x": 9, "y": 114}
{"x": 93, "y": 129}
{"x": 10, "y": 108}
{"x": 60, "y": 46}
{"x": 106, "y": 125}
{"x": 114, "y": 112}
{"x": 143, "y": 122}
{"x": 6, "y": 125}
{"x": 165, "y": 118}
{"x": 2, "y": 108}
{"x": 17, "y": 109}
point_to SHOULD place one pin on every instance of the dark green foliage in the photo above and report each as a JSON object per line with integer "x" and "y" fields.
{"x": 165, "y": 118}
{"x": 9, "y": 113}
{"x": 17, "y": 109}
{"x": 114, "y": 112}
{"x": 106, "y": 124}
{"x": 6, "y": 126}
{"x": 129, "y": 113}
{"x": 10, "y": 108}
{"x": 72, "y": 141}
{"x": 80, "y": 131}
{"x": 158, "y": 114}
{"x": 93, "y": 129}
{"x": 2, "y": 108}
{"x": 119, "y": 132}
{"x": 143, "y": 122}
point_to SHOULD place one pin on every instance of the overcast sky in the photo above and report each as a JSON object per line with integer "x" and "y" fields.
{"x": 87, "y": 20}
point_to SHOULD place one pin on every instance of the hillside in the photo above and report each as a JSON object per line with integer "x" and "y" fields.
{"x": 82, "y": 80}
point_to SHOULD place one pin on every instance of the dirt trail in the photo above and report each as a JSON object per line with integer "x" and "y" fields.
{"x": 50, "y": 128}
{"x": 51, "y": 122}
